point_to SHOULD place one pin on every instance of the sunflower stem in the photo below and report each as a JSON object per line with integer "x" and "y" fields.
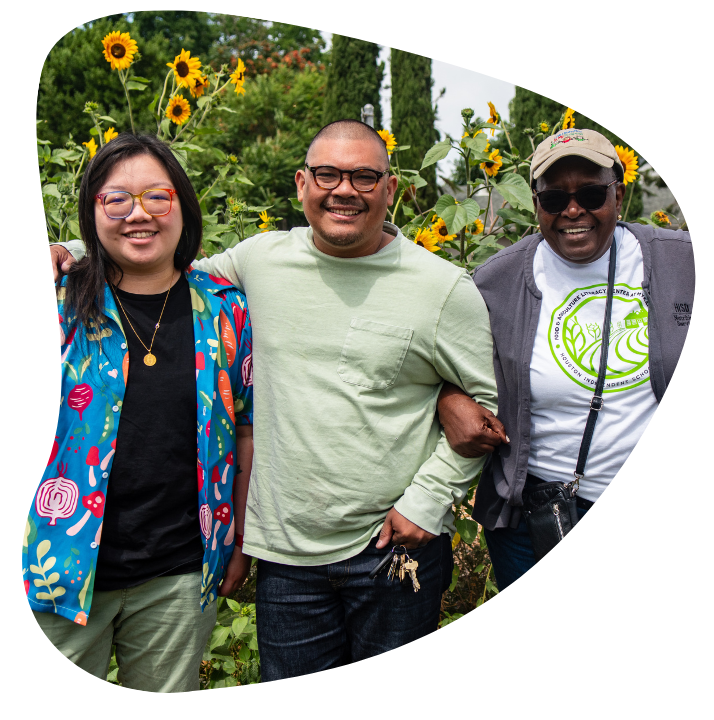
{"x": 629, "y": 200}
{"x": 508, "y": 137}
{"x": 122, "y": 78}
{"x": 203, "y": 197}
{"x": 161, "y": 101}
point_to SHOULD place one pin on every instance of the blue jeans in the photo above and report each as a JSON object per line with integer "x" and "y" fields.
{"x": 319, "y": 617}
{"x": 511, "y": 552}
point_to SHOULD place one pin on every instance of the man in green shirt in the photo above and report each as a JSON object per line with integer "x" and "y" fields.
{"x": 355, "y": 328}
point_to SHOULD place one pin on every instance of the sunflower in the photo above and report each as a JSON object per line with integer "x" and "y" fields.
{"x": 178, "y": 110}
{"x": 494, "y": 116}
{"x": 199, "y": 87}
{"x": 91, "y": 146}
{"x": 119, "y": 50}
{"x": 569, "y": 119}
{"x": 238, "y": 77}
{"x": 267, "y": 221}
{"x": 426, "y": 238}
{"x": 186, "y": 69}
{"x": 544, "y": 127}
{"x": 660, "y": 218}
{"x": 629, "y": 163}
{"x": 110, "y": 134}
{"x": 475, "y": 228}
{"x": 439, "y": 229}
{"x": 493, "y": 164}
{"x": 389, "y": 140}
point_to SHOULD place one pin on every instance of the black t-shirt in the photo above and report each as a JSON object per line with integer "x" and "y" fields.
{"x": 151, "y": 524}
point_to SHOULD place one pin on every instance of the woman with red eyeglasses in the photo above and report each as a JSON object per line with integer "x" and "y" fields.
{"x": 132, "y": 534}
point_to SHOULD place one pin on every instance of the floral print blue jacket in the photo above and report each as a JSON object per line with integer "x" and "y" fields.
{"x": 64, "y": 527}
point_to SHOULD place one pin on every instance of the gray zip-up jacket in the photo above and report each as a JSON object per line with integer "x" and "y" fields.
{"x": 508, "y": 287}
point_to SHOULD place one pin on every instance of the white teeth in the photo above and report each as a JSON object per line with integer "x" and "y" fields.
{"x": 344, "y": 212}
{"x": 575, "y": 231}
{"x": 140, "y": 235}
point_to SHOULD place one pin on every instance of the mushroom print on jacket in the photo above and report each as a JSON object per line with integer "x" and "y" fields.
{"x": 64, "y": 527}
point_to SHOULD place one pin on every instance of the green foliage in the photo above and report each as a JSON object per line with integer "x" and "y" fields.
{"x": 353, "y": 79}
{"x": 413, "y": 115}
{"x": 181, "y": 29}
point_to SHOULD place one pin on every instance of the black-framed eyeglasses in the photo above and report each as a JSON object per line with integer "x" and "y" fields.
{"x": 589, "y": 197}
{"x": 363, "y": 180}
{"x": 120, "y": 204}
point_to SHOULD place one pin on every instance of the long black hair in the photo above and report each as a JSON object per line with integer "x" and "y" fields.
{"x": 84, "y": 299}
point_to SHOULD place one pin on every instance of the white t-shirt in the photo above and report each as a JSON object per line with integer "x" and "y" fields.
{"x": 566, "y": 360}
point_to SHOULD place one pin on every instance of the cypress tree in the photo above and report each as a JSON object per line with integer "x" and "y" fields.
{"x": 354, "y": 78}
{"x": 413, "y": 116}
{"x": 528, "y": 109}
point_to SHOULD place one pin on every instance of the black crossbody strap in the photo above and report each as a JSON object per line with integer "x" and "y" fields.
{"x": 597, "y": 402}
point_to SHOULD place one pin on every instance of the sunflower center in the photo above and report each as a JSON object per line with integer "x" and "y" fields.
{"x": 443, "y": 231}
{"x": 182, "y": 69}
{"x": 489, "y": 164}
{"x": 177, "y": 110}
{"x": 118, "y": 51}
{"x": 420, "y": 243}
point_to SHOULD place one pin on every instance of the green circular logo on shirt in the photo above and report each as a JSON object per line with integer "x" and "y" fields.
{"x": 575, "y": 337}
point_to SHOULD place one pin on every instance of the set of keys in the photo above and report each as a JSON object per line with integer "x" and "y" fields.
{"x": 401, "y": 566}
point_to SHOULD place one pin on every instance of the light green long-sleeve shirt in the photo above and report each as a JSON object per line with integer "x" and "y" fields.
{"x": 348, "y": 360}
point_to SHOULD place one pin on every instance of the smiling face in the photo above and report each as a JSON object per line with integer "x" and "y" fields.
{"x": 345, "y": 222}
{"x": 579, "y": 235}
{"x": 140, "y": 243}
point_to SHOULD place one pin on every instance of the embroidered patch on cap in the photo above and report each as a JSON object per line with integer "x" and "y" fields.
{"x": 565, "y": 136}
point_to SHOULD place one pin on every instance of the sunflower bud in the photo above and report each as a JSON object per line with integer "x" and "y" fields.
{"x": 467, "y": 114}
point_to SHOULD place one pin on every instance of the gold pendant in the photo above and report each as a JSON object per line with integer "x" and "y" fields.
{"x": 149, "y": 359}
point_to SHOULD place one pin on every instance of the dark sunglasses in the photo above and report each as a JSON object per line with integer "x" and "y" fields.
{"x": 589, "y": 197}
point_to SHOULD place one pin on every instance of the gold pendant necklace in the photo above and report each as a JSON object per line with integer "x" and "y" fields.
{"x": 149, "y": 358}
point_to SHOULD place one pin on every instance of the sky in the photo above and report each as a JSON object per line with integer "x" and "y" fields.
{"x": 464, "y": 88}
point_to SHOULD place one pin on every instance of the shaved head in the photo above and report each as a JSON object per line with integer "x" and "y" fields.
{"x": 349, "y": 130}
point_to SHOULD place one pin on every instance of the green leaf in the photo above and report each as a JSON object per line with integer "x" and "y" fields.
{"x": 132, "y": 85}
{"x": 515, "y": 190}
{"x": 468, "y": 529}
{"x": 202, "y": 101}
{"x": 297, "y": 205}
{"x": 476, "y": 144}
{"x": 242, "y": 179}
{"x": 108, "y": 118}
{"x": 139, "y": 79}
{"x": 233, "y": 605}
{"x": 408, "y": 211}
{"x": 454, "y": 577}
{"x": 244, "y": 653}
{"x": 218, "y": 636}
{"x": 456, "y": 215}
{"x": 436, "y": 153}
{"x": 51, "y": 189}
{"x": 511, "y": 216}
{"x": 206, "y": 130}
{"x": 152, "y": 106}
{"x": 402, "y": 147}
{"x": 239, "y": 625}
{"x": 188, "y": 146}
{"x": 223, "y": 107}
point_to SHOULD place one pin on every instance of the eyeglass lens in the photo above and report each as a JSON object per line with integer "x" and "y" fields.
{"x": 329, "y": 178}
{"x": 590, "y": 197}
{"x": 120, "y": 204}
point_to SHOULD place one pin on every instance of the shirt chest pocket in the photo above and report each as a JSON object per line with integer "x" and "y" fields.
{"x": 373, "y": 353}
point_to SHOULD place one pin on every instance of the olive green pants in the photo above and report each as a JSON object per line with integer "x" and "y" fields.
{"x": 158, "y": 629}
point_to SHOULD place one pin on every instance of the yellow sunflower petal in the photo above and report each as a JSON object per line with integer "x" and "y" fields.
{"x": 493, "y": 164}
{"x": 110, "y": 134}
{"x": 426, "y": 238}
{"x": 629, "y": 163}
{"x": 91, "y": 146}
{"x": 389, "y": 140}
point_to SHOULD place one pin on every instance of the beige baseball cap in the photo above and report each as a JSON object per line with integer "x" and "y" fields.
{"x": 585, "y": 143}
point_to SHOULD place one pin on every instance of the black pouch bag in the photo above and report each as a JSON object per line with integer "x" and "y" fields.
{"x": 549, "y": 508}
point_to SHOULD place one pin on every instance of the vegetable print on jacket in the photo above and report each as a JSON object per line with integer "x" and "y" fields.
{"x": 64, "y": 527}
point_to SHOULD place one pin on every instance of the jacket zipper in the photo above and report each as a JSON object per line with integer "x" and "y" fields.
{"x": 556, "y": 512}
